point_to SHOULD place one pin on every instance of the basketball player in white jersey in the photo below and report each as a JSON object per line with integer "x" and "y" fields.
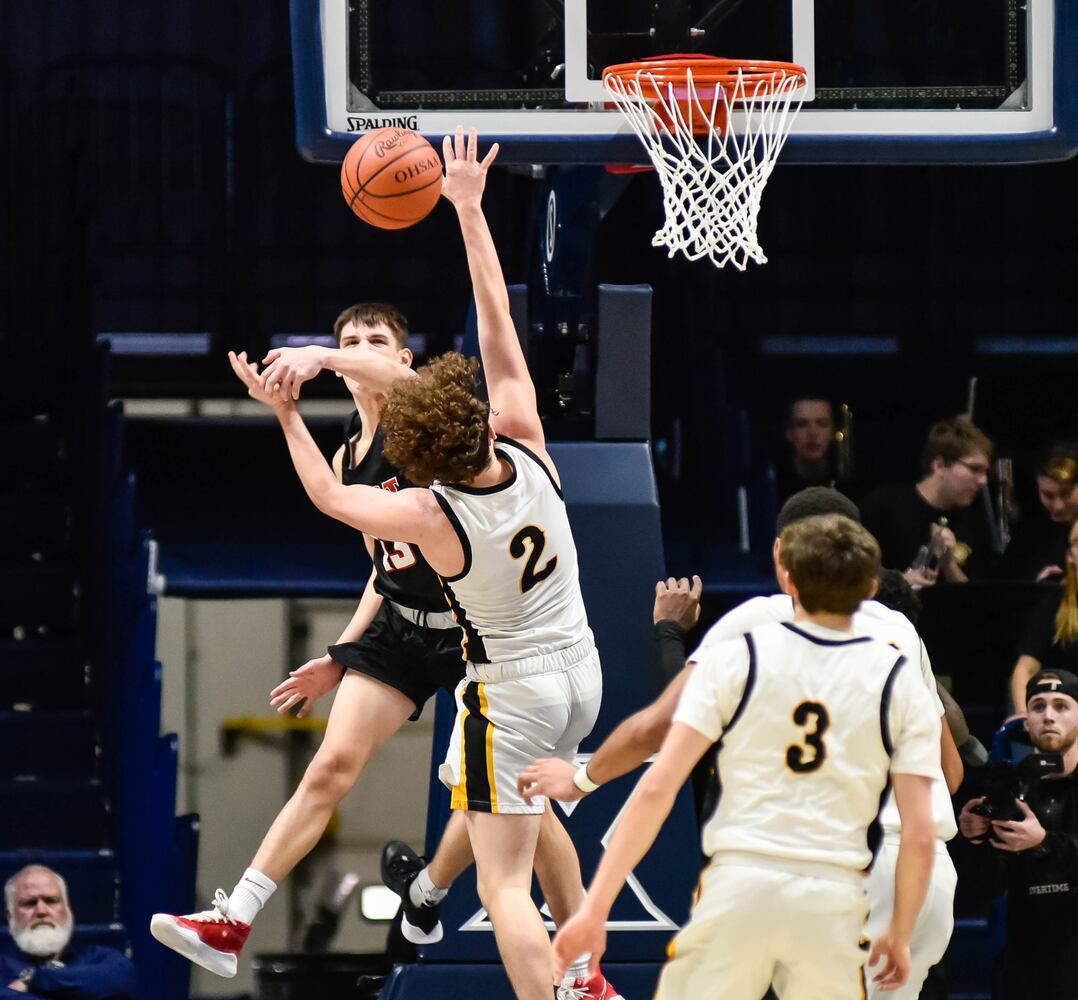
{"x": 494, "y": 527}
{"x": 639, "y": 736}
{"x": 813, "y": 724}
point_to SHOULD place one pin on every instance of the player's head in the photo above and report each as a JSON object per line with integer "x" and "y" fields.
{"x": 957, "y": 457}
{"x": 894, "y": 592}
{"x": 435, "y": 427}
{"x": 814, "y": 501}
{"x": 828, "y": 563}
{"x": 1057, "y": 482}
{"x": 39, "y": 917}
{"x": 1052, "y": 710}
{"x": 373, "y": 326}
{"x": 810, "y": 427}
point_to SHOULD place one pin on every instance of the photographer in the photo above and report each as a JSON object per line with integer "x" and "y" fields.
{"x": 1035, "y": 854}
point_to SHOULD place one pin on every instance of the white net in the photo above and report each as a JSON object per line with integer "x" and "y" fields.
{"x": 711, "y": 182}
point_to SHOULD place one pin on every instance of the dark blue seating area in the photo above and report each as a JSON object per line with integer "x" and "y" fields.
{"x": 87, "y": 781}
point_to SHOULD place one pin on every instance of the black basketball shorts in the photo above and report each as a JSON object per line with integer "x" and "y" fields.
{"x": 414, "y": 660}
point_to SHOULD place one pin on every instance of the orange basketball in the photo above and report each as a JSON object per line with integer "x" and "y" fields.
{"x": 391, "y": 178}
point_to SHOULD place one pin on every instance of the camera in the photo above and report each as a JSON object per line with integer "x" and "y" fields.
{"x": 1003, "y": 783}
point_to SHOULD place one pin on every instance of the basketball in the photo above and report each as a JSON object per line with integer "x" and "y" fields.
{"x": 391, "y": 178}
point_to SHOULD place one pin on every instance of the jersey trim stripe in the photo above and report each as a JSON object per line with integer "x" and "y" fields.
{"x": 476, "y": 791}
{"x": 825, "y": 642}
{"x": 536, "y": 459}
{"x": 450, "y": 514}
{"x": 875, "y": 828}
{"x": 472, "y": 644}
{"x": 885, "y": 705}
{"x": 750, "y": 683}
{"x": 482, "y": 491}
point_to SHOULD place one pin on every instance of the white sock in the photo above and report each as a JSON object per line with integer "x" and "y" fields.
{"x": 252, "y": 892}
{"x": 423, "y": 891}
{"x": 579, "y": 968}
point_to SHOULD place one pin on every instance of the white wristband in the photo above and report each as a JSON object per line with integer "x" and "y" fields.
{"x": 582, "y": 781}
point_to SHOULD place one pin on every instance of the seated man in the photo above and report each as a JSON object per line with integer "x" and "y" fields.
{"x": 1033, "y": 852}
{"x": 937, "y": 527}
{"x": 810, "y": 432}
{"x": 40, "y": 961}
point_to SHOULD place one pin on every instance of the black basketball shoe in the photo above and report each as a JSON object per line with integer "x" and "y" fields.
{"x": 400, "y": 866}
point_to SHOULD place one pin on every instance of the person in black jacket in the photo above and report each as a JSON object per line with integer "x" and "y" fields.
{"x": 1036, "y": 857}
{"x": 40, "y": 961}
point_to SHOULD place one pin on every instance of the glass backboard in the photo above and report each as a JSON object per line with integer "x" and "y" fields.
{"x": 961, "y": 81}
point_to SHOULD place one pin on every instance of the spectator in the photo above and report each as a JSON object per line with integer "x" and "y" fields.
{"x": 1036, "y": 857}
{"x": 1038, "y": 547}
{"x": 810, "y": 432}
{"x": 1050, "y": 639}
{"x": 938, "y": 527}
{"x": 40, "y": 960}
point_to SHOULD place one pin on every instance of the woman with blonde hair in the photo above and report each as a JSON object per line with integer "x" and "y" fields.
{"x": 1050, "y": 640}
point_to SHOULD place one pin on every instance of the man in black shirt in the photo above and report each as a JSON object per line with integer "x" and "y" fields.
{"x": 938, "y": 527}
{"x": 1036, "y": 857}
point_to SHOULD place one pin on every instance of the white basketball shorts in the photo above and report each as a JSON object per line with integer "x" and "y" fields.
{"x": 756, "y": 926}
{"x": 932, "y": 932}
{"x": 506, "y": 721}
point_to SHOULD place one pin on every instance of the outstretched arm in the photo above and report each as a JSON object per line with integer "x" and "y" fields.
{"x": 626, "y": 748}
{"x": 635, "y": 833}
{"x": 402, "y": 516}
{"x": 287, "y": 368}
{"x": 509, "y": 386}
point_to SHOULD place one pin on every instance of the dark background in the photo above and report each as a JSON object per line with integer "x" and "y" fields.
{"x": 151, "y": 183}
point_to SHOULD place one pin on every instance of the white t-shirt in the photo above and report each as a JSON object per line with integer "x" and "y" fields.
{"x": 812, "y": 722}
{"x": 880, "y": 622}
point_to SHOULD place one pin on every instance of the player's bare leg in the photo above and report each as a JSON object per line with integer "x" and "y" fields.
{"x": 558, "y": 868}
{"x": 504, "y": 846}
{"x": 454, "y": 854}
{"x": 365, "y": 714}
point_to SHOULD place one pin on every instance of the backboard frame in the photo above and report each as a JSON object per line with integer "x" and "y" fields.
{"x": 1047, "y": 131}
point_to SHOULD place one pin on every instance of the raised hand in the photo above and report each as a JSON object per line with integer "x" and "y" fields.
{"x": 307, "y": 684}
{"x": 247, "y": 372}
{"x": 287, "y": 368}
{"x": 678, "y": 600}
{"x": 465, "y": 173}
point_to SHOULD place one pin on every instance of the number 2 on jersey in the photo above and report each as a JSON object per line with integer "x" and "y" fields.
{"x": 797, "y": 758}
{"x": 530, "y": 576}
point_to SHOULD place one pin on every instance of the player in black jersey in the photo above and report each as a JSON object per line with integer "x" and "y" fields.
{"x": 400, "y": 646}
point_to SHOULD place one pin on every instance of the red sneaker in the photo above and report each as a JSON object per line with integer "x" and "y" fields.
{"x": 211, "y": 938}
{"x": 596, "y": 988}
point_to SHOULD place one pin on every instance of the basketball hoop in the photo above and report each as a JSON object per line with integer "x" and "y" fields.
{"x": 713, "y": 129}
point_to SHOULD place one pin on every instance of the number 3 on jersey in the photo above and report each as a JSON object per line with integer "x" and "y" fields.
{"x": 397, "y": 556}
{"x": 537, "y": 541}
{"x": 797, "y": 757}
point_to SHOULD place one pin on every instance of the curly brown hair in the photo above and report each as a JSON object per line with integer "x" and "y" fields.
{"x": 435, "y": 428}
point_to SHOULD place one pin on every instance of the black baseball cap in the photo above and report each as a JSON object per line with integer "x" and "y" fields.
{"x": 1052, "y": 682}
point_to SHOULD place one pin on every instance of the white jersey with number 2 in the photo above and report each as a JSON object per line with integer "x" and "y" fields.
{"x": 518, "y": 595}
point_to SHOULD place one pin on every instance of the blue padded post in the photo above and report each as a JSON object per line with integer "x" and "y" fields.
{"x": 623, "y": 366}
{"x": 614, "y": 511}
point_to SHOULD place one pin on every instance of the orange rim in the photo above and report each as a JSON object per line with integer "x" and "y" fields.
{"x": 707, "y": 70}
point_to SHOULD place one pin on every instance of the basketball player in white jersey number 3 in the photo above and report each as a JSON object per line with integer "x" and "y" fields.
{"x": 494, "y": 527}
{"x": 814, "y": 724}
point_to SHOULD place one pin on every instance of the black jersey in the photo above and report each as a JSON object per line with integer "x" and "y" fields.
{"x": 402, "y": 574}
